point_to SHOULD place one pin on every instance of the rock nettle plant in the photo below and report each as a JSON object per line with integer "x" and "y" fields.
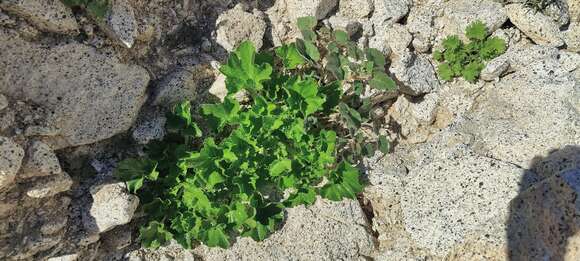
{"x": 468, "y": 60}
{"x": 296, "y": 137}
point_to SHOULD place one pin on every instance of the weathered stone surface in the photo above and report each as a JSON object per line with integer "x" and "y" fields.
{"x": 416, "y": 73}
{"x": 389, "y": 11}
{"x": 112, "y": 206}
{"x": 120, "y": 23}
{"x": 54, "y": 225}
{"x": 150, "y": 129}
{"x": 527, "y": 113}
{"x": 92, "y": 95}
{"x": 40, "y": 160}
{"x": 183, "y": 85}
{"x": 324, "y": 231}
{"x": 345, "y": 24}
{"x": 572, "y": 37}
{"x": 420, "y": 23}
{"x": 50, "y": 186}
{"x": 415, "y": 116}
{"x": 540, "y": 28}
{"x": 173, "y": 251}
{"x": 11, "y": 155}
{"x": 558, "y": 11}
{"x": 451, "y": 197}
{"x": 574, "y": 10}
{"x": 46, "y": 15}
{"x": 71, "y": 257}
{"x": 398, "y": 38}
{"x": 236, "y": 25}
{"x": 494, "y": 69}
{"x": 317, "y": 8}
{"x": 355, "y": 9}
{"x": 461, "y": 13}
{"x": 3, "y": 102}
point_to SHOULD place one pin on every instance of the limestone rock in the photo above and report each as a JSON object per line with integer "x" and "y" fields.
{"x": 398, "y": 38}
{"x": 572, "y": 37}
{"x": 120, "y": 23}
{"x": 236, "y": 25}
{"x": 324, "y": 231}
{"x": 389, "y": 11}
{"x": 317, "y": 8}
{"x": 46, "y": 15}
{"x": 461, "y": 13}
{"x": 558, "y": 12}
{"x": 182, "y": 85}
{"x": 540, "y": 28}
{"x": 345, "y": 24}
{"x": 11, "y": 155}
{"x": 416, "y": 73}
{"x": 40, "y": 160}
{"x": 574, "y": 10}
{"x": 527, "y": 113}
{"x": 218, "y": 88}
{"x": 150, "y": 129}
{"x": 420, "y": 23}
{"x": 355, "y": 9}
{"x": 3, "y": 102}
{"x": 50, "y": 186}
{"x": 172, "y": 251}
{"x": 112, "y": 206}
{"x": 494, "y": 69}
{"x": 92, "y": 96}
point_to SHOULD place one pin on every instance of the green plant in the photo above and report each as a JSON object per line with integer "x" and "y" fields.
{"x": 296, "y": 138}
{"x": 97, "y": 8}
{"x": 467, "y": 60}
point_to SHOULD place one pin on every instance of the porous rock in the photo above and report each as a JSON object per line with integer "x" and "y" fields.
{"x": 317, "y": 8}
{"x": 324, "y": 231}
{"x": 572, "y": 37}
{"x": 461, "y": 13}
{"x": 120, "y": 23}
{"x": 494, "y": 69}
{"x": 50, "y": 186}
{"x": 182, "y": 85}
{"x": 540, "y": 28}
{"x": 416, "y": 73}
{"x": 11, "y": 155}
{"x": 40, "y": 160}
{"x": 92, "y": 96}
{"x": 236, "y": 25}
{"x": 46, "y": 15}
{"x": 389, "y": 11}
{"x": 355, "y": 9}
{"x": 112, "y": 206}
{"x": 398, "y": 38}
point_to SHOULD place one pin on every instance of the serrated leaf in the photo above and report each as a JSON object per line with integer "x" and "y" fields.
{"x": 308, "y": 49}
{"x": 154, "y": 235}
{"x": 381, "y": 81}
{"x": 492, "y": 48}
{"x": 290, "y": 56}
{"x": 217, "y": 237}
{"x": 445, "y": 72}
{"x": 242, "y": 72}
{"x": 344, "y": 183}
{"x": 280, "y": 166}
{"x": 452, "y": 43}
{"x": 472, "y": 70}
{"x": 476, "y": 31}
{"x": 134, "y": 171}
{"x": 438, "y": 56}
{"x": 222, "y": 113}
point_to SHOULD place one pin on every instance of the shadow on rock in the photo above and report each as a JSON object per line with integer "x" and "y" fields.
{"x": 545, "y": 216}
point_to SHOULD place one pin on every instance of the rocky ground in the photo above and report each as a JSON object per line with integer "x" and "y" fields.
{"x": 482, "y": 171}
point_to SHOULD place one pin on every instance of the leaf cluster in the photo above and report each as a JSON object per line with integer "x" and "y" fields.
{"x": 297, "y": 137}
{"x": 468, "y": 59}
{"x": 97, "y": 8}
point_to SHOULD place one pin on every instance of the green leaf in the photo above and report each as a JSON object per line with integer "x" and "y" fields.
{"x": 134, "y": 171}
{"x": 223, "y": 113}
{"x": 133, "y": 185}
{"x": 377, "y": 58}
{"x": 351, "y": 116}
{"x": 333, "y": 66}
{"x": 290, "y": 56}
{"x": 344, "y": 183}
{"x": 476, "y": 31}
{"x": 154, "y": 235}
{"x": 280, "y": 166}
{"x": 242, "y": 72}
{"x": 308, "y": 49}
{"x": 384, "y": 144}
{"x": 452, "y": 43}
{"x": 333, "y": 93}
{"x": 302, "y": 197}
{"x": 493, "y": 47}
{"x": 472, "y": 71}
{"x": 445, "y": 72}
{"x": 307, "y": 22}
{"x": 438, "y": 56}
{"x": 341, "y": 37}
{"x": 381, "y": 81}
{"x": 217, "y": 237}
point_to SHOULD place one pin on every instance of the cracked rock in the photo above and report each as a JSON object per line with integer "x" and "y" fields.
{"x": 46, "y": 15}
{"x": 120, "y": 23}
{"x": 11, "y": 155}
{"x": 540, "y": 28}
{"x": 416, "y": 73}
{"x": 112, "y": 206}
{"x": 236, "y": 25}
{"x": 40, "y": 160}
{"x": 50, "y": 186}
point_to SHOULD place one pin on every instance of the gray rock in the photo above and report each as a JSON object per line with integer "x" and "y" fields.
{"x": 182, "y": 85}
{"x": 345, "y": 24}
{"x": 173, "y": 251}
{"x": 71, "y": 257}
{"x": 112, "y": 206}
{"x": 152, "y": 128}
{"x": 398, "y": 38}
{"x": 455, "y": 194}
{"x": 218, "y": 88}
{"x": 572, "y": 37}
{"x": 420, "y": 23}
{"x": 494, "y": 69}
{"x": 236, "y": 25}
{"x": 416, "y": 73}
{"x": 389, "y": 11}
{"x": 46, "y": 15}
{"x": 415, "y": 116}
{"x": 461, "y": 13}
{"x": 574, "y": 10}
{"x": 570, "y": 61}
{"x": 120, "y": 23}
{"x": 324, "y": 231}
{"x": 527, "y": 113}
{"x": 11, "y": 155}
{"x": 3, "y": 102}
{"x": 540, "y": 28}
{"x": 50, "y": 186}
{"x": 558, "y": 11}
{"x": 317, "y": 8}
{"x": 54, "y": 225}
{"x": 355, "y": 9}
{"x": 92, "y": 95}
{"x": 40, "y": 160}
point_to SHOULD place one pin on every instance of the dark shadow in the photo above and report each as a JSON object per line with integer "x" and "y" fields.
{"x": 546, "y": 213}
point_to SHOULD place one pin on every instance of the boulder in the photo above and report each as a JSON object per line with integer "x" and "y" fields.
{"x": 46, "y": 15}
{"x": 540, "y": 28}
{"x": 40, "y": 160}
{"x": 317, "y": 8}
{"x": 461, "y": 13}
{"x": 120, "y": 23}
{"x": 494, "y": 69}
{"x": 355, "y": 9}
{"x": 323, "y": 231}
{"x": 416, "y": 74}
{"x": 11, "y": 155}
{"x": 49, "y": 186}
{"x": 112, "y": 206}
{"x": 389, "y": 11}
{"x": 91, "y": 95}
{"x": 345, "y": 24}
{"x": 236, "y": 25}
{"x": 398, "y": 38}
